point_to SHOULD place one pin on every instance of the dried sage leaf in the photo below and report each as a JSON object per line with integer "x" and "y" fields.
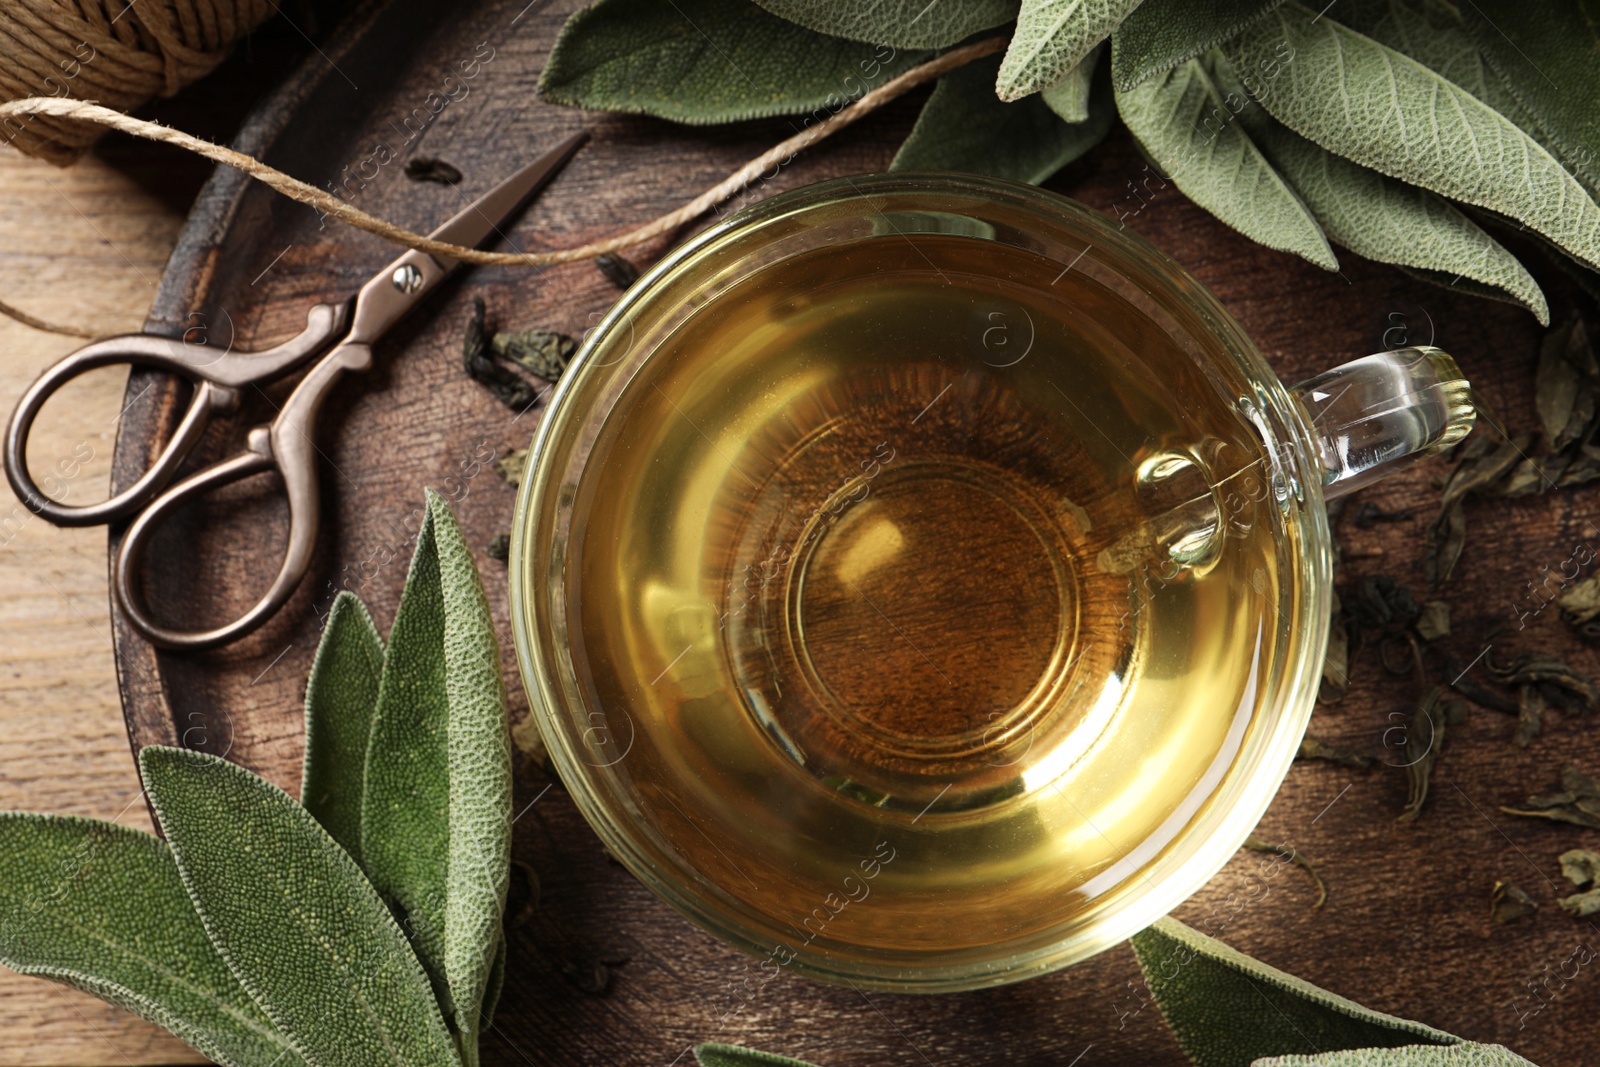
{"x": 1508, "y": 903}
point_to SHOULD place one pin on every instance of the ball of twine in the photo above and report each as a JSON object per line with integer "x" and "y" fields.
{"x": 120, "y": 53}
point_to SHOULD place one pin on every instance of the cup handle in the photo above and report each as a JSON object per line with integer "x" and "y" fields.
{"x": 1375, "y": 415}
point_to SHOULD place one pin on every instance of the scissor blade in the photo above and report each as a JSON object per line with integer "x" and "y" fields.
{"x": 397, "y": 288}
{"x": 474, "y": 224}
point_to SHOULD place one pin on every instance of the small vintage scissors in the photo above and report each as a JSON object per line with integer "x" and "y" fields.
{"x": 341, "y": 333}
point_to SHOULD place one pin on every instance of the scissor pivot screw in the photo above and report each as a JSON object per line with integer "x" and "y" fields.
{"x": 408, "y": 279}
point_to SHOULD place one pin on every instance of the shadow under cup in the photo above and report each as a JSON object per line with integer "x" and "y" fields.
{"x": 920, "y": 583}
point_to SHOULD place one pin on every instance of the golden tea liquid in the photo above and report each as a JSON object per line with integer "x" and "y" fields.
{"x": 924, "y": 591}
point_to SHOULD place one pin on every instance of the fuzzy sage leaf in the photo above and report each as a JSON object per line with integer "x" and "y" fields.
{"x": 1229, "y": 1010}
{"x": 1373, "y": 105}
{"x": 899, "y": 23}
{"x": 1466, "y": 1054}
{"x": 1069, "y": 97}
{"x": 1052, "y": 37}
{"x": 1191, "y": 130}
{"x": 436, "y": 812}
{"x": 100, "y": 907}
{"x": 341, "y": 695}
{"x": 1160, "y": 34}
{"x": 1378, "y": 217}
{"x": 964, "y": 127}
{"x": 707, "y": 61}
{"x": 300, "y": 927}
{"x": 714, "y": 1055}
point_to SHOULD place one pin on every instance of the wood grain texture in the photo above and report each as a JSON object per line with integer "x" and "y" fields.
{"x": 1406, "y": 928}
{"x": 84, "y": 245}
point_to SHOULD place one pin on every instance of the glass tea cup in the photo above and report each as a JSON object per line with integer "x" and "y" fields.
{"x": 920, "y": 583}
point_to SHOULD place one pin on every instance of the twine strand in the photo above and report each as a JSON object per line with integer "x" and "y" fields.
{"x": 331, "y": 206}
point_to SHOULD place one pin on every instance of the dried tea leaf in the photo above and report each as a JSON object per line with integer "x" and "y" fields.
{"x": 510, "y": 465}
{"x": 1508, "y": 903}
{"x": 1336, "y": 663}
{"x": 1314, "y": 748}
{"x": 544, "y": 352}
{"x": 1577, "y": 804}
{"x": 1433, "y": 622}
{"x": 425, "y": 169}
{"x": 1424, "y": 739}
{"x": 1256, "y": 844}
{"x": 1581, "y": 867}
{"x": 618, "y": 271}
{"x": 1530, "y": 715}
{"x": 500, "y": 547}
{"x": 509, "y": 387}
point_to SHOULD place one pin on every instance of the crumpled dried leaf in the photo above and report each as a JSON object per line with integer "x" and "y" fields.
{"x": 1582, "y": 868}
{"x": 509, "y": 387}
{"x": 1433, "y": 621}
{"x": 1424, "y": 740}
{"x": 544, "y": 352}
{"x": 1576, "y": 803}
{"x": 1580, "y": 606}
{"x": 1508, "y": 903}
{"x": 1542, "y": 681}
{"x": 1315, "y": 748}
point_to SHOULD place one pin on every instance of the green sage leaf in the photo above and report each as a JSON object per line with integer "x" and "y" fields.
{"x": 496, "y": 984}
{"x": 1371, "y": 104}
{"x": 1069, "y": 97}
{"x": 341, "y": 695}
{"x": 1466, "y": 1054}
{"x": 713, "y": 1055}
{"x": 1160, "y": 34}
{"x": 100, "y": 907}
{"x": 1192, "y": 132}
{"x": 898, "y": 23}
{"x": 1051, "y": 38}
{"x": 436, "y": 814}
{"x": 964, "y": 127}
{"x": 1546, "y": 50}
{"x": 291, "y": 913}
{"x": 1378, "y": 217}
{"x": 708, "y": 61}
{"x": 1229, "y": 1010}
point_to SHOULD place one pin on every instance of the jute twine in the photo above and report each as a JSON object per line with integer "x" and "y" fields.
{"x": 120, "y": 53}
{"x": 74, "y": 111}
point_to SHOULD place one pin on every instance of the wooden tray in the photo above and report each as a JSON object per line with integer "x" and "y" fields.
{"x": 1406, "y": 927}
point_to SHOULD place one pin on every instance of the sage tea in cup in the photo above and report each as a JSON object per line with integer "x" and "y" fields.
{"x": 920, "y": 583}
